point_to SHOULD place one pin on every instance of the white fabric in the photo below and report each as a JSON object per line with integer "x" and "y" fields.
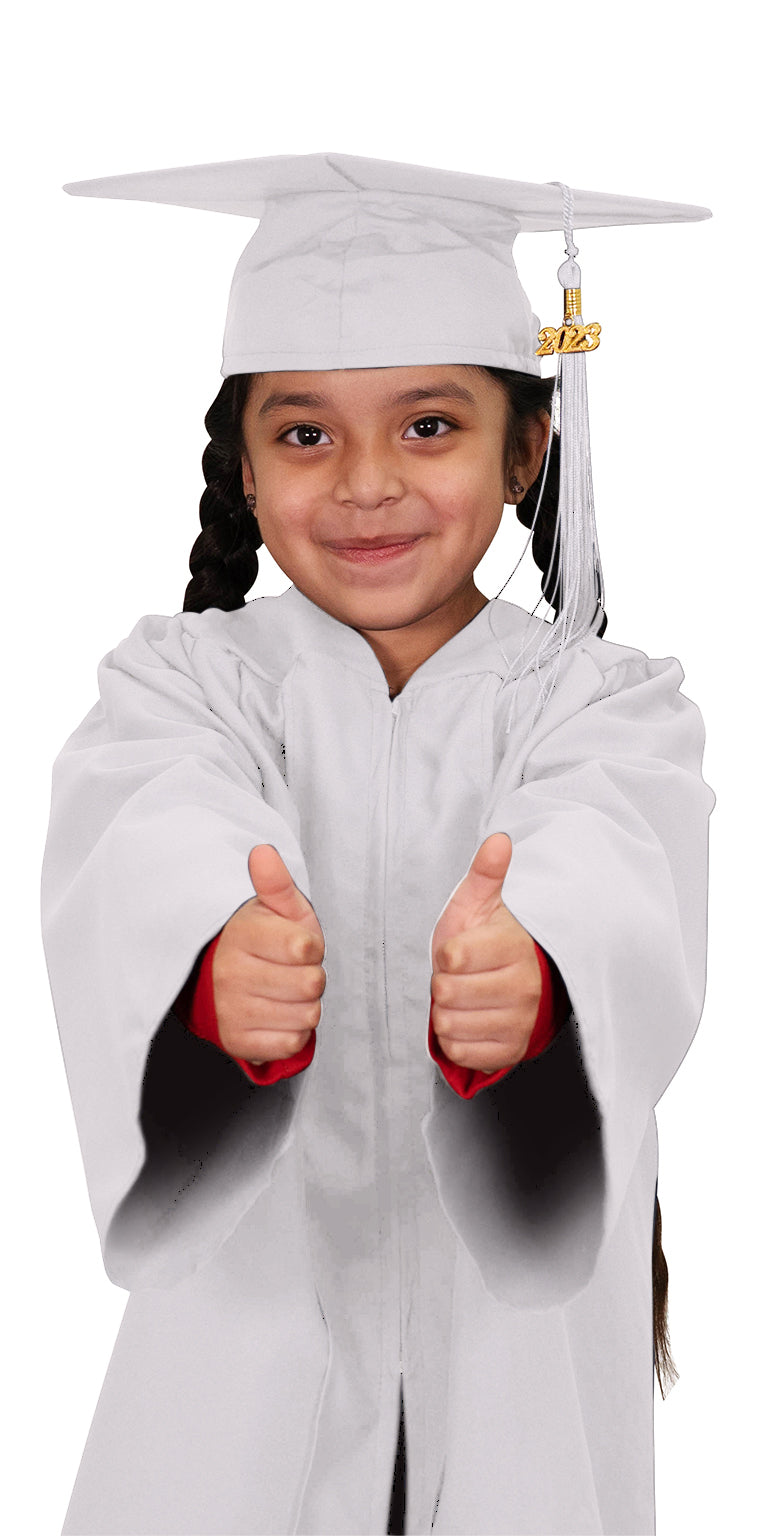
{"x": 291, "y": 1248}
{"x": 365, "y": 263}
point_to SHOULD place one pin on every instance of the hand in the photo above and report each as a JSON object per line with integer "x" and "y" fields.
{"x": 267, "y": 972}
{"x": 486, "y": 982}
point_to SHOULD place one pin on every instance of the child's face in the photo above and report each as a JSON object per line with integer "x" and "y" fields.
{"x": 356, "y": 463}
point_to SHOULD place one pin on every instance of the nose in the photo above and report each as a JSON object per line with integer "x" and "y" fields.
{"x": 368, "y": 477}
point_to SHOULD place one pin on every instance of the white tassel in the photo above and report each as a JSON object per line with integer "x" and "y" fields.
{"x": 578, "y": 572}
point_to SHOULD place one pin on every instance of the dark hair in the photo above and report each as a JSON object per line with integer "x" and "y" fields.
{"x": 224, "y": 564}
{"x": 223, "y": 561}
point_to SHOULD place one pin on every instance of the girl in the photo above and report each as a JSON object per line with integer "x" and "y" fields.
{"x": 432, "y": 875}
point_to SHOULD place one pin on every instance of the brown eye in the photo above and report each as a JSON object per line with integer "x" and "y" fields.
{"x": 430, "y": 422}
{"x": 304, "y": 427}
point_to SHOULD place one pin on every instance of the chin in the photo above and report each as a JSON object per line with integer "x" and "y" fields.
{"x": 387, "y": 611}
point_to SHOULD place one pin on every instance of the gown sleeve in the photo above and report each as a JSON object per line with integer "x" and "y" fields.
{"x": 608, "y": 815}
{"x": 157, "y": 799}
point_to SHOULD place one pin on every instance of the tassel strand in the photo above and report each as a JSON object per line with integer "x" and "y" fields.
{"x": 579, "y": 583}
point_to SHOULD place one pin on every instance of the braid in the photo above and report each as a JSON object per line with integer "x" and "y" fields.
{"x": 666, "y": 1370}
{"x": 545, "y": 538}
{"x": 529, "y": 396}
{"x": 223, "y": 562}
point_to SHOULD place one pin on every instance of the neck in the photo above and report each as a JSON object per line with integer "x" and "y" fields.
{"x": 401, "y": 652}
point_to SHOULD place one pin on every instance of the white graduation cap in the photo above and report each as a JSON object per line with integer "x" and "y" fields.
{"x": 364, "y": 263}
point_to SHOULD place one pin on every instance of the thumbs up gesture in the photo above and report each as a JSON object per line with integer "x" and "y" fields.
{"x": 267, "y": 968}
{"x": 486, "y": 982}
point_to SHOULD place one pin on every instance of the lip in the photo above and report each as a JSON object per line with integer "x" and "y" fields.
{"x": 375, "y": 551}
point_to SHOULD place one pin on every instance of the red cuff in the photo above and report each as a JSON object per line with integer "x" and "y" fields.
{"x": 196, "y": 1009}
{"x": 554, "y": 1008}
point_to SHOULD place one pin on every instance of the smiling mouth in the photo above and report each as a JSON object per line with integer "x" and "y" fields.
{"x": 374, "y": 552}
{"x": 379, "y": 541}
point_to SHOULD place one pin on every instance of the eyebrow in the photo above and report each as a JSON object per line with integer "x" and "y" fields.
{"x": 276, "y": 401}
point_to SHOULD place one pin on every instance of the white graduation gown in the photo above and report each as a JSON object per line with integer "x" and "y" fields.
{"x": 292, "y": 1249}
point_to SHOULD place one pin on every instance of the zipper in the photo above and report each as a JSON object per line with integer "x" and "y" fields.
{"x": 395, "y": 715}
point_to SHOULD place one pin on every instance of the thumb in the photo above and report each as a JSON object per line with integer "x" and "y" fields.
{"x": 275, "y": 888}
{"x": 480, "y": 890}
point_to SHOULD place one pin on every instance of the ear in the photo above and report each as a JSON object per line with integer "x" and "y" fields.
{"x": 538, "y": 437}
{"x": 249, "y": 488}
{"x": 537, "y": 434}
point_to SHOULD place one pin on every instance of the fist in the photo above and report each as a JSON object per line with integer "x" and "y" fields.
{"x": 486, "y": 982}
{"x": 268, "y": 976}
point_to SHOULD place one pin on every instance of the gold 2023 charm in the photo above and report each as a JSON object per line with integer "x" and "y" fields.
{"x": 568, "y": 338}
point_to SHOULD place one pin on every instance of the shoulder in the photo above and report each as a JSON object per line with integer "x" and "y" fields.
{"x": 624, "y": 665}
{"x": 606, "y": 661}
{"x": 215, "y": 641}
{"x": 584, "y": 671}
{"x": 641, "y": 698}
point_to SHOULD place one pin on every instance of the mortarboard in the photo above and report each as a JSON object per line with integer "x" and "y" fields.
{"x": 365, "y": 263}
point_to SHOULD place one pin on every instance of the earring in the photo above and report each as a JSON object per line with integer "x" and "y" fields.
{"x": 517, "y": 488}
{"x": 250, "y": 501}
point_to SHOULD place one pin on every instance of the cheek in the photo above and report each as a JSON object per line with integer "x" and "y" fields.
{"x": 469, "y": 498}
{"x": 283, "y": 511}
{"x": 285, "y": 538}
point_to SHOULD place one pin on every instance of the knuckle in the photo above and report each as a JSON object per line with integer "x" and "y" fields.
{"x": 291, "y": 1042}
{"x": 527, "y": 993}
{"x": 311, "y": 948}
{"x": 315, "y": 983}
{"x": 439, "y": 1016}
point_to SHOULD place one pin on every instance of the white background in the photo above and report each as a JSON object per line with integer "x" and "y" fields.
{"x": 113, "y": 316}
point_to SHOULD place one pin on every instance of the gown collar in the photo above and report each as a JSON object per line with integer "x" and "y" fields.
{"x": 488, "y": 642}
